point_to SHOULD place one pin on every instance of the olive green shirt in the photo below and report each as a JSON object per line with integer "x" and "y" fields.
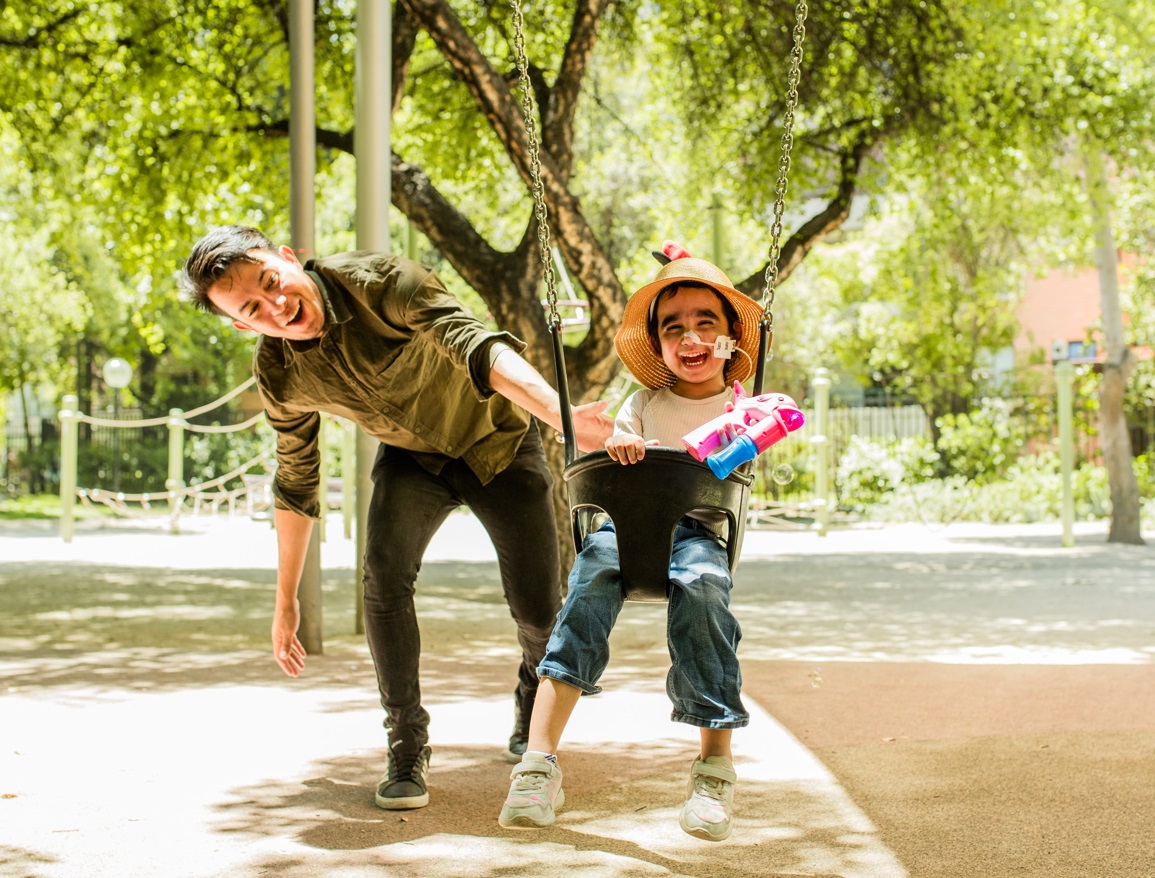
{"x": 400, "y": 357}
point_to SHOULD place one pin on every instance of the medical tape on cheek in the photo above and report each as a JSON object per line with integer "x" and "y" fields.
{"x": 724, "y": 346}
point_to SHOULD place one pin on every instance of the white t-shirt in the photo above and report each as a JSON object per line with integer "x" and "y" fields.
{"x": 663, "y": 415}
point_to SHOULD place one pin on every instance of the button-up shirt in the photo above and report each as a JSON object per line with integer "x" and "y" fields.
{"x": 400, "y": 357}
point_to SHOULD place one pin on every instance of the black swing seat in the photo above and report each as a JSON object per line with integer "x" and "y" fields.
{"x": 645, "y": 501}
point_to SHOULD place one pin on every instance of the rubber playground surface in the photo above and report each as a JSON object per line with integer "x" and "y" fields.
{"x": 964, "y": 702}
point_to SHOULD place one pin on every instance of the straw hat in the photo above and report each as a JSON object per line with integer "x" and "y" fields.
{"x": 633, "y": 339}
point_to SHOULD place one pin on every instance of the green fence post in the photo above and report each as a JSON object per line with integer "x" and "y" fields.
{"x": 821, "y": 442}
{"x": 69, "y": 442}
{"x": 1064, "y": 378}
{"x": 717, "y": 232}
{"x": 175, "y": 482}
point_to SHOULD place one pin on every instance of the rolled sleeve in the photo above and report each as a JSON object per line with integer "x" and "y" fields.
{"x": 485, "y": 355}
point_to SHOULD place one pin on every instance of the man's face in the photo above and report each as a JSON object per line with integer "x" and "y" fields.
{"x": 271, "y": 295}
{"x": 697, "y": 310}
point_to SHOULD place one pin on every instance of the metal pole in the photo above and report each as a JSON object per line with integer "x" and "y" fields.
{"x": 69, "y": 442}
{"x": 302, "y": 171}
{"x": 717, "y": 241}
{"x": 410, "y": 240}
{"x": 820, "y": 440}
{"x": 116, "y": 441}
{"x": 372, "y": 152}
{"x": 175, "y": 482}
{"x": 1064, "y": 378}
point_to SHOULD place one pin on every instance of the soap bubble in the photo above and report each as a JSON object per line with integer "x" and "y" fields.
{"x": 783, "y": 474}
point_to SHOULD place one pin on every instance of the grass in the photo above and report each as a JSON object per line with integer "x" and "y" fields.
{"x": 42, "y": 507}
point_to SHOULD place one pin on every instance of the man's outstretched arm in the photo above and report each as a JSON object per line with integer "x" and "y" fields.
{"x": 519, "y": 382}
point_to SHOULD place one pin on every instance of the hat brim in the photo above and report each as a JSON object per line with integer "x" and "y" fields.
{"x": 633, "y": 339}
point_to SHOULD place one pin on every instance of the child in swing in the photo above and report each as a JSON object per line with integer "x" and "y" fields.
{"x": 687, "y": 336}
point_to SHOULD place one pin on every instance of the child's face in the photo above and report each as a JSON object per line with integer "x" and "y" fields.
{"x": 699, "y": 310}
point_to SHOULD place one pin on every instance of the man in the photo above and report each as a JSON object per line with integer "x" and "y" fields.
{"x": 377, "y": 339}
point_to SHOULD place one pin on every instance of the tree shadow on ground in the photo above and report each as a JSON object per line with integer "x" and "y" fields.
{"x": 620, "y": 818}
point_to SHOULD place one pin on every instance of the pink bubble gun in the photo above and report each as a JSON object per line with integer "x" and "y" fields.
{"x": 757, "y": 422}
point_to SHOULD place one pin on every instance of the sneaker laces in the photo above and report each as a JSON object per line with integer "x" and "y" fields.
{"x": 531, "y": 781}
{"x": 710, "y": 787}
{"x": 401, "y": 766}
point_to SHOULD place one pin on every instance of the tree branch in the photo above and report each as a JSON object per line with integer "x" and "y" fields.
{"x": 405, "y": 30}
{"x": 822, "y": 223}
{"x": 558, "y": 124}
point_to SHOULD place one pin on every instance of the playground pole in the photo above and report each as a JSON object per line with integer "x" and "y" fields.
{"x": 302, "y": 170}
{"x": 1064, "y": 377}
{"x": 175, "y": 482}
{"x": 821, "y": 443}
{"x": 717, "y": 231}
{"x": 371, "y": 148}
{"x": 69, "y": 440}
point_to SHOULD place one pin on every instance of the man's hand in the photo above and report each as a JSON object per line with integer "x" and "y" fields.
{"x": 519, "y": 382}
{"x": 287, "y": 649}
{"x": 626, "y": 449}
{"x": 591, "y": 426}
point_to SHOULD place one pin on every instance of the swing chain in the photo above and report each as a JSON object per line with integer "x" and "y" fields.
{"x": 535, "y": 165}
{"x": 771, "y": 278}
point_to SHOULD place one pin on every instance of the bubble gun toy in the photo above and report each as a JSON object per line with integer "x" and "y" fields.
{"x": 757, "y": 422}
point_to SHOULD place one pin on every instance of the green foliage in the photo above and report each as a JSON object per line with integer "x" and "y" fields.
{"x": 1030, "y": 491}
{"x": 128, "y": 129}
{"x": 924, "y": 293}
{"x": 869, "y": 470}
{"x": 981, "y": 445}
{"x": 43, "y": 507}
{"x": 211, "y": 455}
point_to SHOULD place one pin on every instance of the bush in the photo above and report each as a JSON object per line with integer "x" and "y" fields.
{"x": 983, "y": 445}
{"x": 869, "y": 470}
{"x": 1030, "y": 491}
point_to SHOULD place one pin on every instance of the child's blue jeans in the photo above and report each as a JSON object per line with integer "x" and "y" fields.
{"x": 705, "y": 680}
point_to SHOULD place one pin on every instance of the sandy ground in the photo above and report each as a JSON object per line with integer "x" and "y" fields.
{"x": 961, "y": 701}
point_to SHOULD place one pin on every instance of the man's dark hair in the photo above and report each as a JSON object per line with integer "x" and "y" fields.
{"x": 212, "y": 257}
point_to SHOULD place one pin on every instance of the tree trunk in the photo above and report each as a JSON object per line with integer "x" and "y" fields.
{"x": 555, "y": 454}
{"x": 1125, "y": 505}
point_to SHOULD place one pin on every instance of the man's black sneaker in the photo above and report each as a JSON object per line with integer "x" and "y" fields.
{"x": 405, "y": 784}
{"x": 519, "y": 740}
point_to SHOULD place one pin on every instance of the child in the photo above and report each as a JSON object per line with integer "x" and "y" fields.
{"x": 668, "y": 341}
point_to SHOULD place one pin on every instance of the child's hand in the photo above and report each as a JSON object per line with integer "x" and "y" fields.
{"x": 627, "y": 449}
{"x": 728, "y": 432}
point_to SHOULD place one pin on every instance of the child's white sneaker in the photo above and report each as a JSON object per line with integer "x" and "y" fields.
{"x": 710, "y": 805}
{"x": 534, "y": 794}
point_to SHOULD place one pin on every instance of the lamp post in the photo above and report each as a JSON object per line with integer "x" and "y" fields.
{"x": 116, "y": 373}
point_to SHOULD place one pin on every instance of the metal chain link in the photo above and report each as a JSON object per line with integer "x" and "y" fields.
{"x": 535, "y": 164}
{"x": 771, "y": 278}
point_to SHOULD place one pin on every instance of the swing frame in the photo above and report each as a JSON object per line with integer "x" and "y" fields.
{"x": 646, "y": 500}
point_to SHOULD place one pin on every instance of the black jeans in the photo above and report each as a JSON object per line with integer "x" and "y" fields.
{"x": 408, "y": 505}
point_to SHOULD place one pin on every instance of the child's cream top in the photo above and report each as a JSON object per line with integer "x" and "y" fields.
{"x": 663, "y": 415}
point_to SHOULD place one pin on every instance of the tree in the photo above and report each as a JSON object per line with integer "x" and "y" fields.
{"x": 1126, "y": 523}
{"x": 927, "y": 292}
{"x": 182, "y": 110}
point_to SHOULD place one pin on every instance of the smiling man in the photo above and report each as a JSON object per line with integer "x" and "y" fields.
{"x": 377, "y": 339}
